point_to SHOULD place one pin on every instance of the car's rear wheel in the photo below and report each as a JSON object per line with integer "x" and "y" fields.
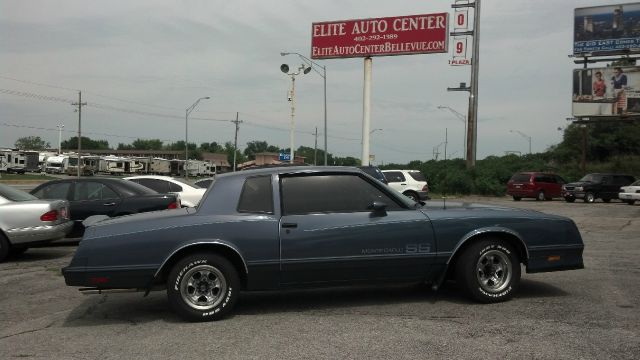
{"x": 203, "y": 287}
{"x": 630, "y": 202}
{"x": 488, "y": 271}
{"x": 517, "y": 198}
{"x": 589, "y": 197}
{"x": 4, "y": 247}
{"x": 540, "y": 196}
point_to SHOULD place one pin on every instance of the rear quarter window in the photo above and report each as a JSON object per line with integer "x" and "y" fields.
{"x": 417, "y": 176}
{"x": 521, "y": 178}
{"x": 256, "y": 195}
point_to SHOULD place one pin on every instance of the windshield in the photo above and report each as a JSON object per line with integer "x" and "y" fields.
{"x": 637, "y": 183}
{"x": 12, "y": 194}
{"x": 592, "y": 178}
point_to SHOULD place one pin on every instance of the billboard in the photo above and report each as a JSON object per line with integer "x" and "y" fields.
{"x": 610, "y": 91}
{"x": 607, "y": 30}
{"x": 402, "y": 35}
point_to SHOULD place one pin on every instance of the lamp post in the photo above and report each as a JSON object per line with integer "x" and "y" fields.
{"x": 186, "y": 134}
{"x": 524, "y": 136}
{"x": 462, "y": 118}
{"x": 60, "y": 127}
{"x": 292, "y": 98}
{"x": 312, "y": 64}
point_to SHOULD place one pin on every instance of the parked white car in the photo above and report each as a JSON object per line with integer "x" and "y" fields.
{"x": 189, "y": 195}
{"x": 411, "y": 183}
{"x": 630, "y": 193}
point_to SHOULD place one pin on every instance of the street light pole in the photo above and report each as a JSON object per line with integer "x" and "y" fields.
{"x": 292, "y": 98}
{"x": 464, "y": 121}
{"x": 524, "y": 136}
{"x": 186, "y": 134}
{"x": 313, "y": 65}
{"x": 60, "y": 127}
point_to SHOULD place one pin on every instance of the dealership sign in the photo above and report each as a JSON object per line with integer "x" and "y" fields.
{"x": 607, "y": 30}
{"x": 402, "y": 35}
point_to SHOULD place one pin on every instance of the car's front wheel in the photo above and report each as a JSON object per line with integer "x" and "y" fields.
{"x": 488, "y": 271}
{"x": 4, "y": 248}
{"x": 203, "y": 287}
{"x": 589, "y": 197}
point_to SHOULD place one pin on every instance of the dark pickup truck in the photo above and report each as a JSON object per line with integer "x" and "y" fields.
{"x": 104, "y": 196}
{"x": 596, "y": 186}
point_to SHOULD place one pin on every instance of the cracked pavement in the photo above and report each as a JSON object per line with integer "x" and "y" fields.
{"x": 589, "y": 314}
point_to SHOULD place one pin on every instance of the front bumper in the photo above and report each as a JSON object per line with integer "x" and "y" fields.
{"x": 26, "y": 235}
{"x": 629, "y": 196}
{"x": 555, "y": 258}
{"x": 573, "y": 194}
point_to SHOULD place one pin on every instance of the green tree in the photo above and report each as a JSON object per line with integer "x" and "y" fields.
{"x": 228, "y": 149}
{"x": 31, "y": 143}
{"x": 87, "y": 144}
{"x": 212, "y": 147}
{"x": 256, "y": 147}
{"x": 147, "y": 144}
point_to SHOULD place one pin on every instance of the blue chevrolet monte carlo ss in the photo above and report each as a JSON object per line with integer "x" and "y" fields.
{"x": 281, "y": 228}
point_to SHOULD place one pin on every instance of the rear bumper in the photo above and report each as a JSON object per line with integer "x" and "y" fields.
{"x": 109, "y": 278}
{"x": 423, "y": 195}
{"x": 521, "y": 193}
{"x": 26, "y": 235}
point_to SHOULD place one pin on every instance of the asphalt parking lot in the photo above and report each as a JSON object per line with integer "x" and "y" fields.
{"x": 589, "y": 314}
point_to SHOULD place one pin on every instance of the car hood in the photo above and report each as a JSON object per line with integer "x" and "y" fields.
{"x": 579, "y": 183}
{"x": 455, "y": 209}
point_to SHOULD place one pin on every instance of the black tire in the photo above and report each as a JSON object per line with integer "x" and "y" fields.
{"x": 607, "y": 200}
{"x": 204, "y": 303}
{"x": 411, "y": 195}
{"x": 488, "y": 259}
{"x": 540, "y": 196}
{"x": 4, "y": 248}
{"x": 569, "y": 199}
{"x": 630, "y": 202}
{"x": 589, "y": 197}
{"x": 517, "y": 198}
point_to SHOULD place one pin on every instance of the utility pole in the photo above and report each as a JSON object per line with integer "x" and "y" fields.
{"x": 315, "y": 148}
{"x": 235, "y": 141}
{"x": 60, "y": 127}
{"x": 472, "y": 118}
{"x": 79, "y": 104}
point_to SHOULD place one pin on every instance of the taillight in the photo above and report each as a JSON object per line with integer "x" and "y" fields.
{"x": 49, "y": 216}
{"x": 425, "y": 187}
{"x": 174, "y": 205}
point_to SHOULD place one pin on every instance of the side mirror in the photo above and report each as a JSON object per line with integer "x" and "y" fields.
{"x": 378, "y": 207}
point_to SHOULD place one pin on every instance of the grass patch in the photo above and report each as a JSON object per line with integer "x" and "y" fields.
{"x": 11, "y": 177}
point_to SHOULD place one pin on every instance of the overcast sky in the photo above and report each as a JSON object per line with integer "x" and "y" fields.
{"x": 133, "y": 59}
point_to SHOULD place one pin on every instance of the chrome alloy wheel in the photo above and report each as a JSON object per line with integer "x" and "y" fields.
{"x": 203, "y": 287}
{"x": 494, "y": 271}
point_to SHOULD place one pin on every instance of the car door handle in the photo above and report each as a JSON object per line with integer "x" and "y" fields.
{"x": 289, "y": 225}
{"x": 109, "y": 204}
{"x": 403, "y": 184}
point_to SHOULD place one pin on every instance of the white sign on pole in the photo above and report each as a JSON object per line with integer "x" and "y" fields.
{"x": 460, "y": 52}
{"x": 461, "y": 19}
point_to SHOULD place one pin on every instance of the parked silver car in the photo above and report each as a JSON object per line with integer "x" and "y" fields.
{"x": 26, "y": 220}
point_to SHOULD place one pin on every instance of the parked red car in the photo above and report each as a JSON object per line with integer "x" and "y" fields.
{"x": 537, "y": 185}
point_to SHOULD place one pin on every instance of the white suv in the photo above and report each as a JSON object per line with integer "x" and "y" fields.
{"x": 411, "y": 183}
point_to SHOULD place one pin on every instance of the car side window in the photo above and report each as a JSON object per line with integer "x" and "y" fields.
{"x": 174, "y": 187}
{"x": 256, "y": 195}
{"x": 54, "y": 191}
{"x": 154, "y": 184}
{"x": 92, "y": 191}
{"x": 394, "y": 176}
{"x": 331, "y": 194}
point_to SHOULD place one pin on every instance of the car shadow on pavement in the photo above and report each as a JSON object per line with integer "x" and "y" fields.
{"x": 134, "y": 309}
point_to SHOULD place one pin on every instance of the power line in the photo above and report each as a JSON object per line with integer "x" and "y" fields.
{"x": 73, "y": 131}
{"x": 37, "y": 83}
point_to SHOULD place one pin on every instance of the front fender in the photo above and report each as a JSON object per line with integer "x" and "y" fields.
{"x": 490, "y": 230}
